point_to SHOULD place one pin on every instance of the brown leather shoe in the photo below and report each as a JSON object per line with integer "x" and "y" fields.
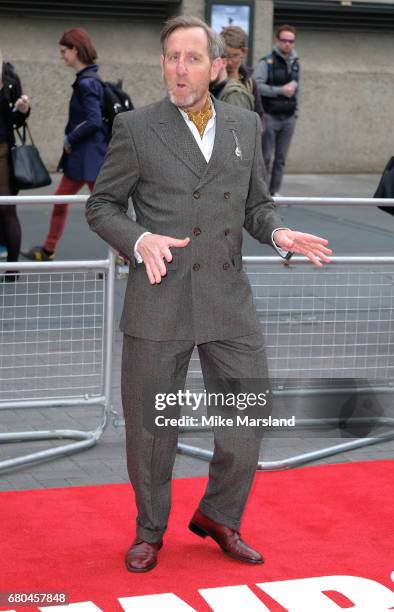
{"x": 229, "y": 540}
{"x": 142, "y": 556}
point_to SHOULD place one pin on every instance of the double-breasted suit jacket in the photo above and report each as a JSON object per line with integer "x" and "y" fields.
{"x": 154, "y": 159}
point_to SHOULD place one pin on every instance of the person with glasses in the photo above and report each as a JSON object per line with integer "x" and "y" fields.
{"x": 229, "y": 90}
{"x": 235, "y": 41}
{"x": 277, "y": 77}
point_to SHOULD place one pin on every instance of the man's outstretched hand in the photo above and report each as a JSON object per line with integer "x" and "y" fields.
{"x": 313, "y": 247}
{"x": 154, "y": 249}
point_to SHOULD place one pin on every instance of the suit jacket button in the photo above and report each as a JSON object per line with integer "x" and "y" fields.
{"x": 226, "y": 232}
{"x": 227, "y": 195}
{"x": 196, "y": 267}
{"x": 196, "y": 231}
{"x": 196, "y": 195}
{"x": 226, "y": 266}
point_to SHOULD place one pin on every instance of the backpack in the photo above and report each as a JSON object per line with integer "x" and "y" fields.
{"x": 116, "y": 100}
{"x": 233, "y": 86}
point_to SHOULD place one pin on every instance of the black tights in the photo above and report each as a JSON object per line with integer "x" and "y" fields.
{"x": 10, "y": 231}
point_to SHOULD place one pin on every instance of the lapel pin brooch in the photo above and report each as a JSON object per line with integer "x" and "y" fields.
{"x": 237, "y": 151}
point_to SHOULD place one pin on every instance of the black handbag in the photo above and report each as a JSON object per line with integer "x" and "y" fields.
{"x": 29, "y": 170}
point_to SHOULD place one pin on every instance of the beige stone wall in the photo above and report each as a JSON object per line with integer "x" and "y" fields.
{"x": 193, "y": 7}
{"x": 346, "y": 102}
{"x": 346, "y": 110}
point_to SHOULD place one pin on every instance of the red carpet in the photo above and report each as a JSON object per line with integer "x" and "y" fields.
{"x": 324, "y": 521}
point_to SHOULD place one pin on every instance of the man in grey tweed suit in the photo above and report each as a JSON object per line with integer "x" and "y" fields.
{"x": 194, "y": 170}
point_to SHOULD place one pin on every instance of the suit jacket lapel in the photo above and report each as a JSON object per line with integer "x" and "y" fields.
{"x": 173, "y": 131}
{"x": 224, "y": 145}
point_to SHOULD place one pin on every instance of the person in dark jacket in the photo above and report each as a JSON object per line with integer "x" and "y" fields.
{"x": 86, "y": 134}
{"x": 14, "y": 108}
{"x": 277, "y": 77}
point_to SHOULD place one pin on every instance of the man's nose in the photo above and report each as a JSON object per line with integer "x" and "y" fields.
{"x": 181, "y": 68}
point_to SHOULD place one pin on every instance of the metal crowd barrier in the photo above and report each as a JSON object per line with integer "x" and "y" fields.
{"x": 56, "y": 336}
{"x": 57, "y": 325}
{"x": 344, "y": 309}
{"x": 321, "y": 324}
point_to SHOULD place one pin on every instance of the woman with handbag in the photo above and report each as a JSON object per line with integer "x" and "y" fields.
{"x": 86, "y": 134}
{"x": 14, "y": 109}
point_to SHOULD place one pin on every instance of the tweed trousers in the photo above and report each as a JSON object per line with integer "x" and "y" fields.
{"x": 150, "y": 366}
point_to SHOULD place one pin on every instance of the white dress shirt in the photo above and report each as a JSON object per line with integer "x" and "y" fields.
{"x": 205, "y": 143}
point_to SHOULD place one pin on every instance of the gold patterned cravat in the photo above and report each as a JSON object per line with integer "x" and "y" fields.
{"x": 201, "y": 118}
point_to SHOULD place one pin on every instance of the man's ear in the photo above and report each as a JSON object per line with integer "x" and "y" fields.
{"x": 245, "y": 51}
{"x": 222, "y": 72}
{"x": 215, "y": 68}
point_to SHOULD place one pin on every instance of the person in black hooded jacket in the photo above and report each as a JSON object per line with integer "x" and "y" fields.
{"x": 14, "y": 109}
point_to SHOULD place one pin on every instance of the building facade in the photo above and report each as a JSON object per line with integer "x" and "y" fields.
{"x": 346, "y": 51}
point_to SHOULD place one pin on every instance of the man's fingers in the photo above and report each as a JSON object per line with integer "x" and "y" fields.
{"x": 176, "y": 242}
{"x": 325, "y": 250}
{"x": 314, "y": 259}
{"x": 156, "y": 274}
{"x": 167, "y": 254}
{"x": 149, "y": 274}
{"x": 310, "y": 238}
{"x": 155, "y": 268}
{"x": 160, "y": 266}
{"x": 309, "y": 241}
{"x": 315, "y": 248}
{"x": 153, "y": 273}
{"x": 315, "y": 255}
{"x": 322, "y": 255}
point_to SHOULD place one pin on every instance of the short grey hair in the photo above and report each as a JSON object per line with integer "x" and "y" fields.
{"x": 215, "y": 44}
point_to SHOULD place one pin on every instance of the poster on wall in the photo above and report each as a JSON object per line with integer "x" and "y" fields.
{"x": 221, "y": 14}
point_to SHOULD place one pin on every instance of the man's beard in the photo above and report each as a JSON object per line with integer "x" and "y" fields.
{"x": 187, "y": 99}
{"x": 182, "y": 101}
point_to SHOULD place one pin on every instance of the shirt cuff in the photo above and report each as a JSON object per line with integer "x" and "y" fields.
{"x": 137, "y": 256}
{"x": 282, "y": 252}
